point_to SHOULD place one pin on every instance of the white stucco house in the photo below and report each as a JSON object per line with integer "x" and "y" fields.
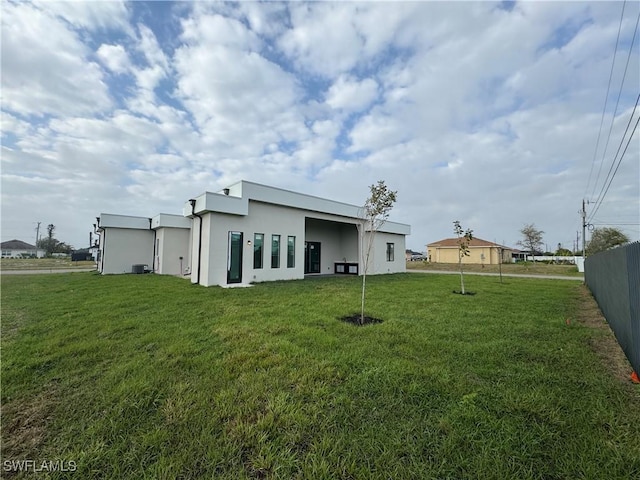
{"x": 20, "y": 249}
{"x": 250, "y": 233}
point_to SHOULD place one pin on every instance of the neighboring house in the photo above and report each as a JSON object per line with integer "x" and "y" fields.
{"x": 480, "y": 252}
{"x": 20, "y": 249}
{"x": 250, "y": 233}
{"x": 519, "y": 255}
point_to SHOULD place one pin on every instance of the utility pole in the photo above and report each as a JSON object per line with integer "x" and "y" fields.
{"x": 584, "y": 228}
{"x": 37, "y": 237}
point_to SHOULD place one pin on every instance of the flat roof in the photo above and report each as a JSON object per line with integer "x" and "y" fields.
{"x": 234, "y": 200}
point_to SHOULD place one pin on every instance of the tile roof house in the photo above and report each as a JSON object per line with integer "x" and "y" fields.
{"x": 480, "y": 252}
{"x": 19, "y": 249}
{"x": 249, "y": 233}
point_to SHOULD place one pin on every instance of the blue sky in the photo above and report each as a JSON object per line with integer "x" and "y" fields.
{"x": 482, "y": 112}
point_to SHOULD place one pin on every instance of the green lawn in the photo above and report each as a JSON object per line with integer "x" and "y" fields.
{"x": 144, "y": 376}
{"x": 520, "y": 268}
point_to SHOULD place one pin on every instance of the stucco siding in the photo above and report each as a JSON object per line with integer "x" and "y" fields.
{"x": 172, "y": 243}
{"x": 379, "y": 263}
{"x": 124, "y": 248}
{"x": 477, "y": 255}
{"x": 262, "y": 218}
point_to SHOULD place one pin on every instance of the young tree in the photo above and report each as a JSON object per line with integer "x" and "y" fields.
{"x": 464, "y": 237}
{"x": 605, "y": 238}
{"x": 374, "y": 213}
{"x": 531, "y": 238}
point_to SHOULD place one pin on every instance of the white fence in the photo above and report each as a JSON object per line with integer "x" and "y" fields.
{"x": 575, "y": 260}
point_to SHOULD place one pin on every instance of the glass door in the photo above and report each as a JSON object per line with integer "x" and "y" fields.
{"x": 234, "y": 262}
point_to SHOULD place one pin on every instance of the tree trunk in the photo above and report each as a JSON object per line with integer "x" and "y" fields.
{"x": 461, "y": 275}
{"x": 364, "y": 281}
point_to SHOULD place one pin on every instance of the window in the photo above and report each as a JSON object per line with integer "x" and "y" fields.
{"x": 390, "y": 255}
{"x": 275, "y": 251}
{"x": 258, "y": 242}
{"x": 291, "y": 252}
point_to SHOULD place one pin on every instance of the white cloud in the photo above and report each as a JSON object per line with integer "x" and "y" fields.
{"x": 45, "y": 66}
{"x": 114, "y": 57}
{"x": 90, "y": 15}
{"x": 376, "y": 131}
{"x": 240, "y": 101}
{"x": 308, "y": 44}
{"x": 351, "y": 95}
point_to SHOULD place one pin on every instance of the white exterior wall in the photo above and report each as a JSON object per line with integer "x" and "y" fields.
{"x": 171, "y": 244}
{"x": 262, "y": 218}
{"x": 11, "y": 253}
{"x": 124, "y": 247}
{"x": 378, "y": 263}
{"x": 339, "y": 243}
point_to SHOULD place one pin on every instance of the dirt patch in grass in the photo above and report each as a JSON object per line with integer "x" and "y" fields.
{"x": 605, "y": 345}
{"x": 355, "y": 319}
{"x": 24, "y": 424}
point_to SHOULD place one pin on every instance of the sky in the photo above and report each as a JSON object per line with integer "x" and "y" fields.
{"x": 496, "y": 114}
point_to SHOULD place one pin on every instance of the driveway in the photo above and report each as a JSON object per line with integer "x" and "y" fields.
{"x": 515, "y": 275}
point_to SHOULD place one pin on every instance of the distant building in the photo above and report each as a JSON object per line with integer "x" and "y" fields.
{"x": 481, "y": 252}
{"x": 20, "y": 249}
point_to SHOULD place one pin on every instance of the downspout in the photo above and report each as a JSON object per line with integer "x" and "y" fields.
{"x": 104, "y": 246}
{"x": 193, "y": 212}
{"x": 153, "y": 260}
{"x": 103, "y": 240}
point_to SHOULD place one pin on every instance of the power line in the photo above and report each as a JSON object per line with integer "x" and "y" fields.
{"x": 606, "y": 98}
{"x": 613, "y": 117}
{"x": 616, "y": 155}
{"x": 601, "y": 197}
{"x": 609, "y": 223}
{"x": 618, "y": 151}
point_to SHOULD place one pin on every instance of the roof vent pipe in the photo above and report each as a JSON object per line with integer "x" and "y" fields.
{"x": 226, "y": 191}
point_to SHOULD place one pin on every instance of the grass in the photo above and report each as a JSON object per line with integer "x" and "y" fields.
{"x": 144, "y": 376}
{"x": 521, "y": 268}
{"x": 42, "y": 263}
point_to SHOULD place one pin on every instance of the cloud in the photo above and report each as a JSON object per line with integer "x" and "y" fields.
{"x": 94, "y": 16}
{"x": 306, "y": 42}
{"x": 115, "y": 58}
{"x": 240, "y": 100}
{"x": 46, "y": 67}
{"x": 352, "y": 95}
